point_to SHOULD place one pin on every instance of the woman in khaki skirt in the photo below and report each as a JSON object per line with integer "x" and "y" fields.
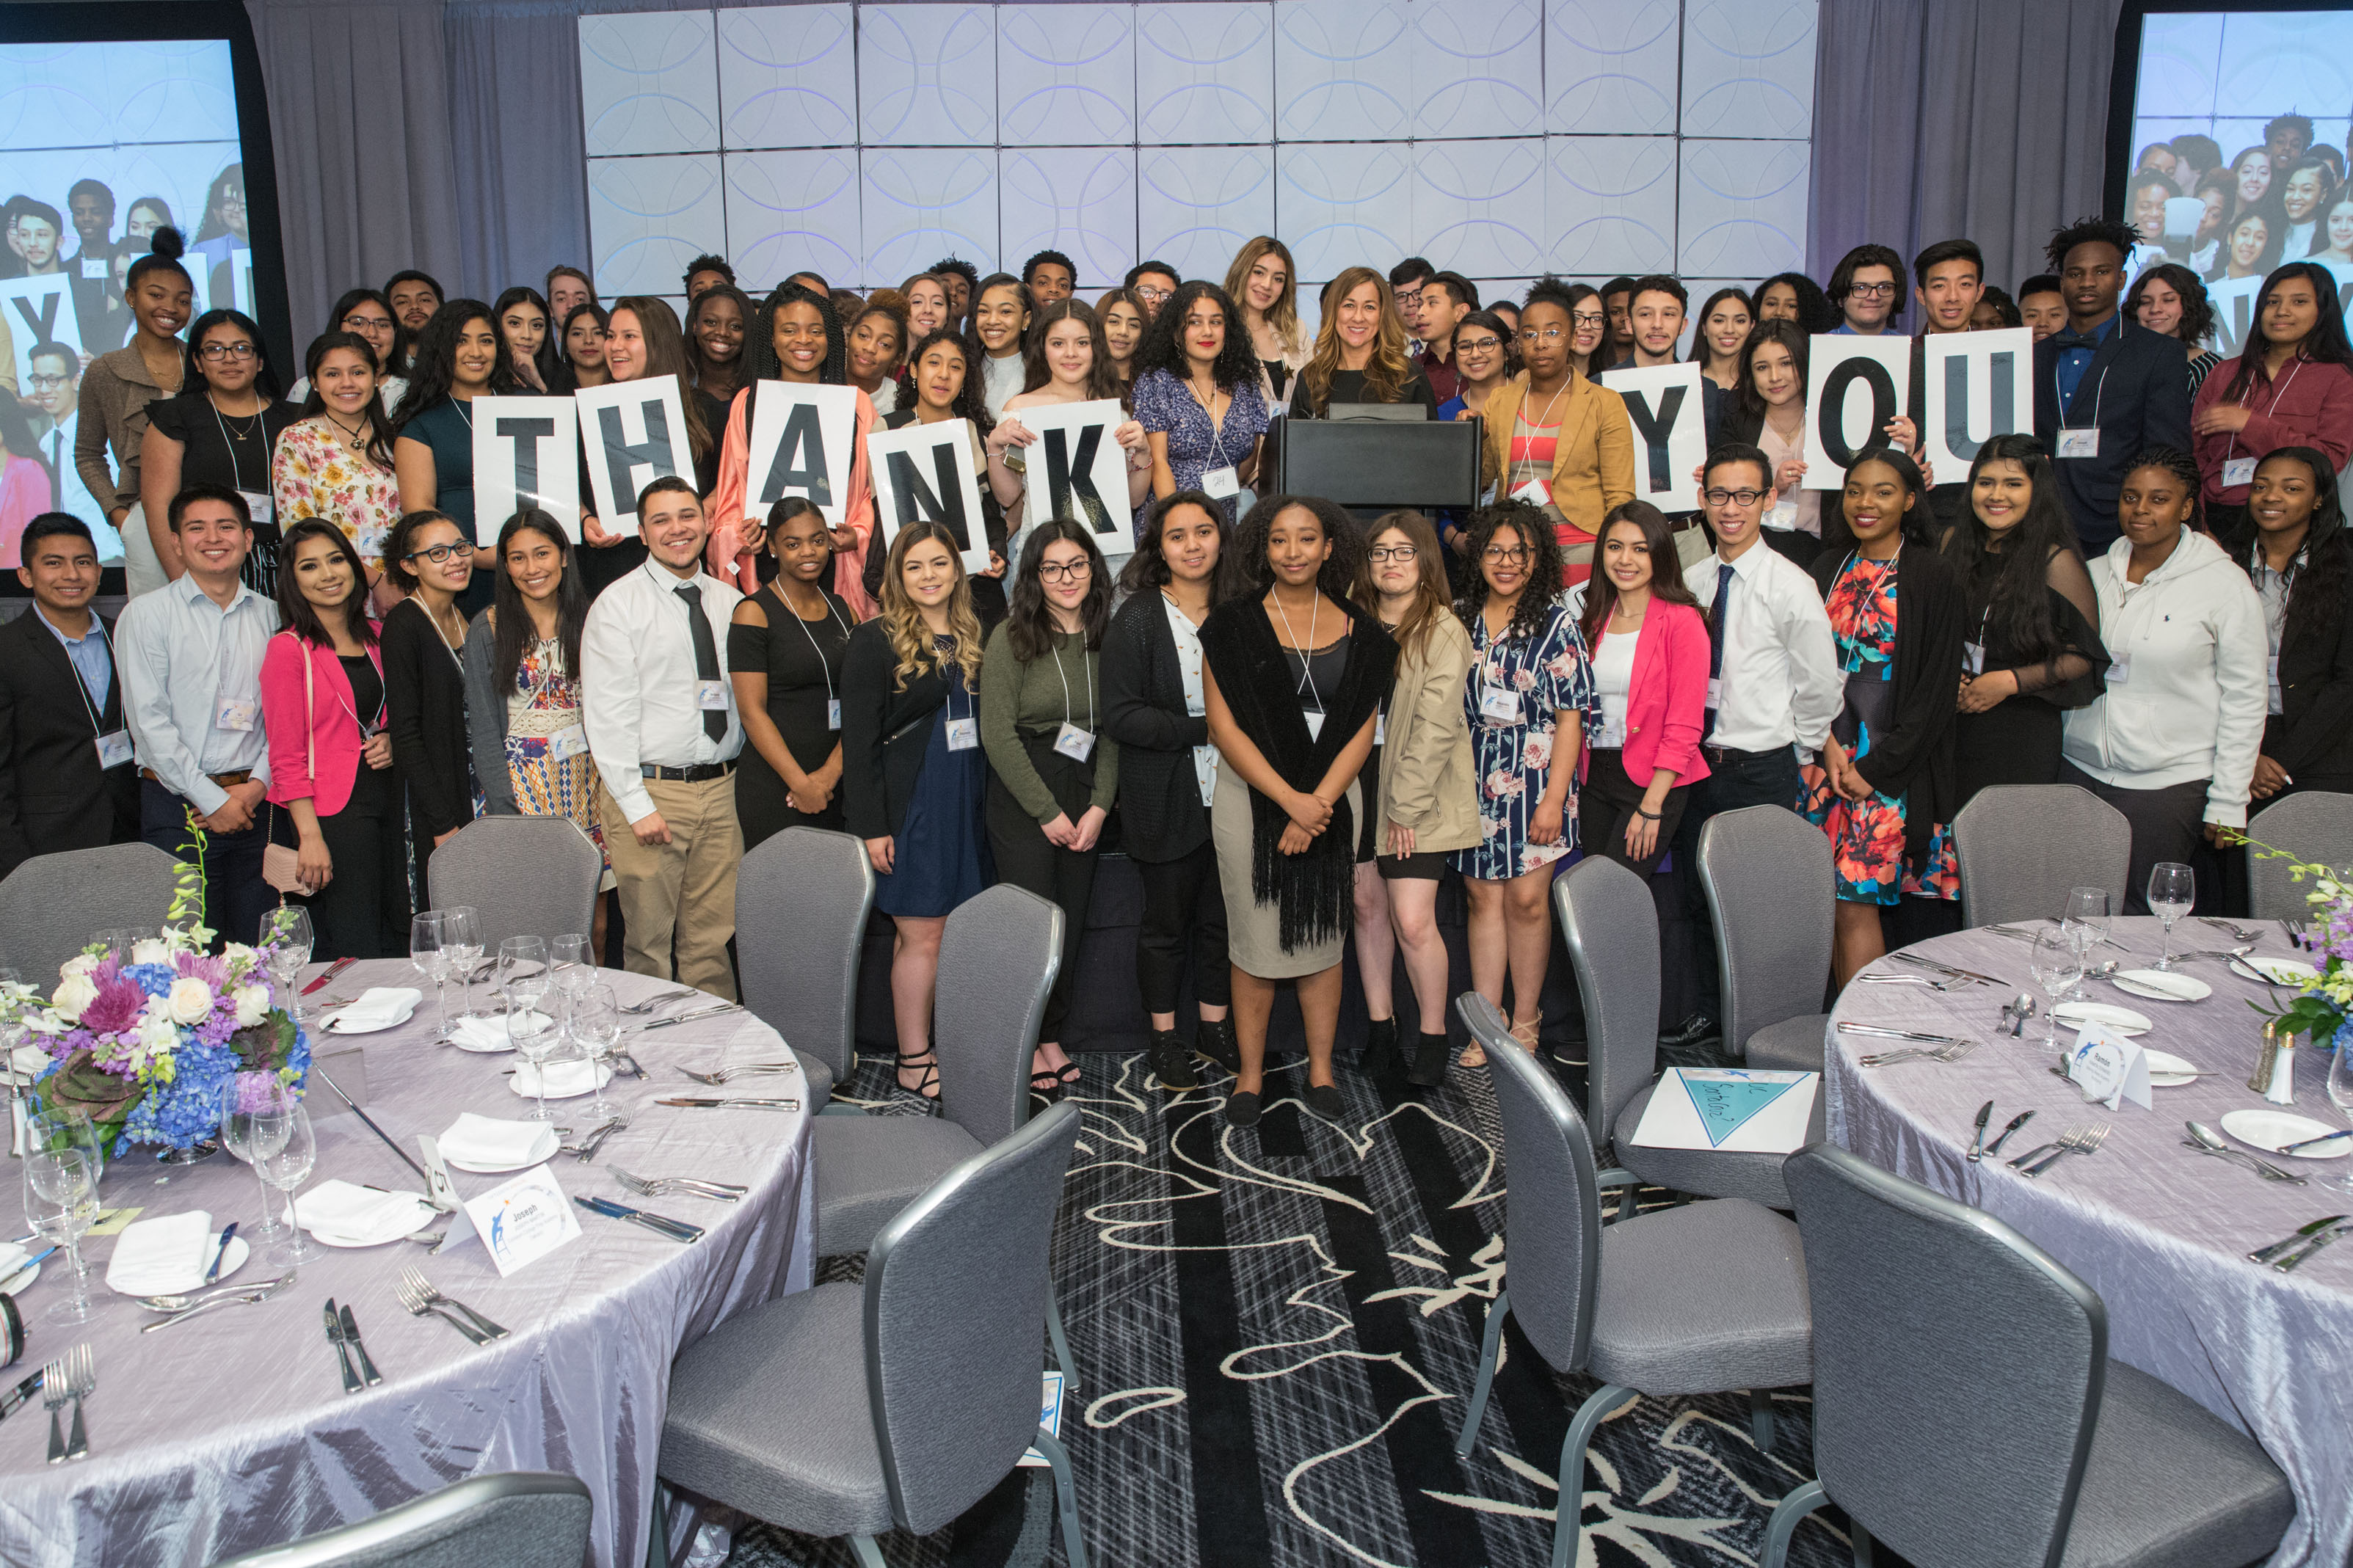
{"x": 1294, "y": 674}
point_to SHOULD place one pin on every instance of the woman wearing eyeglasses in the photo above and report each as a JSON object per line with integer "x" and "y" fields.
{"x": 220, "y": 431}
{"x": 1555, "y": 439}
{"x": 366, "y": 314}
{"x": 429, "y": 559}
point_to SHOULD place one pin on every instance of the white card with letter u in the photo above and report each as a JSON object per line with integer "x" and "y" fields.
{"x": 523, "y": 1220}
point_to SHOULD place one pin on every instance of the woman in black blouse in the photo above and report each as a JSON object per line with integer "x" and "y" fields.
{"x": 431, "y": 561}
{"x": 1360, "y": 354}
{"x": 784, "y": 653}
{"x": 220, "y": 431}
{"x": 2296, "y": 550}
{"x": 1155, "y": 707}
{"x": 941, "y": 388}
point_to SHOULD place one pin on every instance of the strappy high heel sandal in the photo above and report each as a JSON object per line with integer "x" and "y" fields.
{"x": 928, "y": 1063}
{"x": 1527, "y": 1033}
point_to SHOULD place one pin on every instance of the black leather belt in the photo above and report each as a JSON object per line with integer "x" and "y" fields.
{"x": 700, "y": 772}
{"x": 1719, "y": 754}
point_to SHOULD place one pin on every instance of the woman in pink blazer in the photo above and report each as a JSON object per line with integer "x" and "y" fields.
{"x": 1651, "y": 670}
{"x": 330, "y": 760}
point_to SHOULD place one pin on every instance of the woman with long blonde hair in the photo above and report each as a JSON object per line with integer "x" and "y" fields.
{"x": 1359, "y": 354}
{"x": 1263, "y": 282}
{"x": 913, "y": 774}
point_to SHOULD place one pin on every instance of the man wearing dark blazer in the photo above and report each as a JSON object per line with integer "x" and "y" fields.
{"x": 66, "y": 776}
{"x": 2105, "y": 389}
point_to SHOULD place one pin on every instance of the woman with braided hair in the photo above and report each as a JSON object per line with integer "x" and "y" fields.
{"x": 796, "y": 337}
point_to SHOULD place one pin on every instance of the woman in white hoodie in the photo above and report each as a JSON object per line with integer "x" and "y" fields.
{"x": 2172, "y": 741}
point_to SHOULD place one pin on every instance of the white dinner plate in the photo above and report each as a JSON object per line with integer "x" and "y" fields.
{"x": 549, "y": 1140}
{"x": 2274, "y": 1131}
{"x": 2166, "y": 1071}
{"x": 17, "y": 1284}
{"x": 2281, "y": 971}
{"x": 231, "y": 1261}
{"x": 335, "y": 1025}
{"x": 2163, "y": 984}
{"x": 2122, "y": 1020}
{"x": 568, "y": 1081}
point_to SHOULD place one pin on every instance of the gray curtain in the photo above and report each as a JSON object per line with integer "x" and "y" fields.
{"x": 1949, "y": 119}
{"x": 522, "y": 175}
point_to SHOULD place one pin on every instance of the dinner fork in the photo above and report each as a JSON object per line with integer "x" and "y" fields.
{"x": 669, "y": 1186}
{"x": 55, "y": 1389}
{"x": 81, "y": 1371}
{"x": 2084, "y": 1139}
{"x": 414, "y": 1279}
{"x": 650, "y": 1003}
{"x": 1951, "y": 1051}
{"x": 1911, "y": 980}
{"x": 418, "y": 1306}
{"x": 728, "y": 1074}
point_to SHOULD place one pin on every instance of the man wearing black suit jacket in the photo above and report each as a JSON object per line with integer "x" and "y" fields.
{"x": 66, "y": 775}
{"x": 2105, "y": 388}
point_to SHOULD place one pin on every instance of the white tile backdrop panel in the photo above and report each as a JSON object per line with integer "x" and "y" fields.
{"x": 1610, "y": 204}
{"x": 1480, "y": 198}
{"x": 1343, "y": 202}
{"x": 788, "y": 77}
{"x": 648, "y": 218}
{"x": 1743, "y": 208}
{"x": 114, "y": 94}
{"x": 927, "y": 76}
{"x": 1479, "y": 66}
{"x": 789, "y": 210}
{"x": 1204, "y": 72}
{"x": 648, "y": 83}
{"x": 1065, "y": 75}
{"x": 1079, "y": 201}
{"x": 2179, "y": 58}
{"x": 1748, "y": 68}
{"x": 1610, "y": 66}
{"x": 1344, "y": 69}
{"x": 1196, "y": 205}
{"x": 923, "y": 203}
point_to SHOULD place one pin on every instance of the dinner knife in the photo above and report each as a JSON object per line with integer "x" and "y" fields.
{"x": 1880, "y": 1031}
{"x": 689, "y": 1017}
{"x": 2017, "y": 1122}
{"x": 332, "y": 969}
{"x": 21, "y": 1392}
{"x": 749, "y": 1104}
{"x": 229, "y": 1232}
{"x": 359, "y": 1348}
{"x": 2304, "y": 1254}
{"x": 2315, "y": 1142}
{"x": 1977, "y": 1144}
{"x": 2302, "y": 1232}
{"x": 677, "y": 1230}
{"x": 352, "y": 1384}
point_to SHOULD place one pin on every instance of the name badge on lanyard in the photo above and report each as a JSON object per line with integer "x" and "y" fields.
{"x": 258, "y": 505}
{"x": 235, "y": 712}
{"x": 1074, "y": 743}
{"x": 2238, "y": 471}
{"x": 1314, "y": 717}
{"x": 94, "y": 270}
{"x": 2119, "y": 667}
{"x": 711, "y": 696}
{"x": 568, "y": 741}
{"x": 2082, "y": 443}
{"x": 1535, "y": 492}
{"x": 963, "y": 735}
{"x": 1380, "y": 728}
{"x": 1499, "y": 705}
{"x": 1973, "y": 658}
{"x": 115, "y": 750}
{"x": 833, "y": 712}
{"x": 1219, "y": 483}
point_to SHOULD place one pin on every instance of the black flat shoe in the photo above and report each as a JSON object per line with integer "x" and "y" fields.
{"x": 1322, "y": 1100}
{"x": 1241, "y": 1109}
{"x": 1215, "y": 1042}
{"x": 1428, "y": 1069}
{"x": 1172, "y": 1064}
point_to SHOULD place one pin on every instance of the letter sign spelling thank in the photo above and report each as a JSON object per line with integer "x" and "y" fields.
{"x": 1979, "y": 385}
{"x": 923, "y": 473}
{"x": 635, "y": 434}
{"x": 801, "y": 445}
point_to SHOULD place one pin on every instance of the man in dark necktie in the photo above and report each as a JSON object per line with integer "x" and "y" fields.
{"x": 660, "y": 714}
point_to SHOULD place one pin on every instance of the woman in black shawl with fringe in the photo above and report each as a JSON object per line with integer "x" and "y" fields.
{"x": 1292, "y": 674}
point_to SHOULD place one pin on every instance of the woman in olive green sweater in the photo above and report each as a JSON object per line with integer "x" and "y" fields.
{"x": 1054, "y": 773}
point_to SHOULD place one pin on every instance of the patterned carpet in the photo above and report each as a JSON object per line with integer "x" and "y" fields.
{"x": 1276, "y": 1329}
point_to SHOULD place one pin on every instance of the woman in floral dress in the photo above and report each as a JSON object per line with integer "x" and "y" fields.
{"x": 1885, "y": 790}
{"x": 1527, "y": 700}
{"x": 336, "y": 464}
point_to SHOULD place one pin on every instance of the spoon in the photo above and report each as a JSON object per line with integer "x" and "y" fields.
{"x": 240, "y": 1295}
{"x": 2018, "y": 1012}
{"x": 2211, "y": 1142}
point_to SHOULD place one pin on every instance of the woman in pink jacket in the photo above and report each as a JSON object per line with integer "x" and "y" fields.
{"x": 2292, "y": 385}
{"x": 330, "y": 759}
{"x": 796, "y": 338}
{"x": 1651, "y": 670}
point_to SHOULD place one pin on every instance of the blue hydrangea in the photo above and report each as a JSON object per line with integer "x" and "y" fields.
{"x": 185, "y": 1111}
{"x": 155, "y": 979}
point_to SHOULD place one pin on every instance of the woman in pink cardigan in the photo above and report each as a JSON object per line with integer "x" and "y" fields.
{"x": 1651, "y": 670}
{"x": 2292, "y": 385}
{"x": 796, "y": 338}
{"x": 330, "y": 759}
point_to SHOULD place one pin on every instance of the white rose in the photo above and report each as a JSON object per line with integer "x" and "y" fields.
{"x": 252, "y": 1004}
{"x": 79, "y": 965}
{"x": 73, "y": 994}
{"x": 151, "y": 950}
{"x": 190, "y": 1000}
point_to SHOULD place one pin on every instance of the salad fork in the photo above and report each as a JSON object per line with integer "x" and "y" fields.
{"x": 2084, "y": 1139}
{"x": 413, "y": 1279}
{"x": 55, "y": 1389}
{"x": 1950, "y": 1051}
{"x": 730, "y": 1074}
{"x": 650, "y": 1003}
{"x": 81, "y": 1371}
{"x": 669, "y": 1186}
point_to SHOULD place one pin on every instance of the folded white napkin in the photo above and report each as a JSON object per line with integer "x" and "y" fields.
{"x": 159, "y": 1256}
{"x": 481, "y": 1035}
{"x": 12, "y": 1259}
{"x": 2179, "y": 987}
{"x": 339, "y": 1211}
{"x": 562, "y": 1077}
{"x": 379, "y": 1006}
{"x": 487, "y": 1141}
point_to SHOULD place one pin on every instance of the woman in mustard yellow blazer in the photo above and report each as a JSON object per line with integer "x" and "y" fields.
{"x": 1554, "y": 437}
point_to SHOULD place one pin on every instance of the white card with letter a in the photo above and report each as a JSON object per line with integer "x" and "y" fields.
{"x": 800, "y": 445}
{"x": 523, "y": 1220}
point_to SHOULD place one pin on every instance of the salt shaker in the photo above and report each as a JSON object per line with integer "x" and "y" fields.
{"x": 2274, "y": 1075}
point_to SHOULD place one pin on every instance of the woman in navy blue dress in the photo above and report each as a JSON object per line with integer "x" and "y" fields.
{"x": 913, "y": 771}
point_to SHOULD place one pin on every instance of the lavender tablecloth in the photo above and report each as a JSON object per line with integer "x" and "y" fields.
{"x": 2160, "y": 1231}
{"x": 231, "y": 1431}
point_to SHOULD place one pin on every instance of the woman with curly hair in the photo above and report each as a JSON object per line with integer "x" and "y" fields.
{"x": 1359, "y": 355}
{"x": 1197, "y": 396}
{"x": 1530, "y": 689}
{"x": 914, "y": 775}
{"x": 2171, "y": 299}
{"x": 796, "y": 339}
{"x": 2295, "y": 548}
{"x": 1794, "y": 296}
{"x": 1290, "y": 700}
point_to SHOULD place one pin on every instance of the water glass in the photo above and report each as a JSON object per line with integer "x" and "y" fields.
{"x": 61, "y": 1204}
{"x": 2172, "y": 891}
{"x": 2087, "y": 917}
{"x": 596, "y": 1026}
{"x": 429, "y": 953}
{"x": 2341, "y": 1095}
{"x": 461, "y": 938}
{"x": 252, "y": 1129}
{"x": 61, "y": 1127}
{"x": 2056, "y": 963}
{"x": 285, "y": 1151}
{"x": 571, "y": 966}
{"x": 522, "y": 972}
{"x": 533, "y": 1036}
{"x": 287, "y": 937}
{"x": 117, "y": 941}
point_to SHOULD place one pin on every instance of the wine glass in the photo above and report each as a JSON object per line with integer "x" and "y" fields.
{"x": 2340, "y": 1094}
{"x": 63, "y": 1127}
{"x": 523, "y": 968}
{"x": 251, "y": 1131}
{"x": 285, "y": 1150}
{"x": 571, "y": 966}
{"x": 2172, "y": 890}
{"x": 2056, "y": 963}
{"x": 61, "y": 1203}
{"x": 2088, "y": 912}
{"x": 431, "y": 960}
{"x": 287, "y": 937}
{"x": 596, "y": 1026}
{"x": 117, "y": 941}
{"x": 461, "y": 938}
{"x": 533, "y": 1036}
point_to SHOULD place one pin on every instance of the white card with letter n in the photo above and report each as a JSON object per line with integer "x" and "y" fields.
{"x": 1855, "y": 386}
{"x": 801, "y": 445}
{"x": 1734, "y": 1109}
{"x": 523, "y": 1220}
{"x": 526, "y": 456}
{"x": 636, "y": 433}
{"x": 1668, "y": 422}
{"x": 922, "y": 473}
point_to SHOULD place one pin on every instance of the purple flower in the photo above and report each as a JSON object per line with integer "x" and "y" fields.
{"x": 117, "y": 1007}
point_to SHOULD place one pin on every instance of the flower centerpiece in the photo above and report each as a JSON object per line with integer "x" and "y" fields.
{"x": 2323, "y": 1004}
{"x": 146, "y": 1041}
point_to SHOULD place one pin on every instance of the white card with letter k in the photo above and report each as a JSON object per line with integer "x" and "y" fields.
{"x": 523, "y": 1220}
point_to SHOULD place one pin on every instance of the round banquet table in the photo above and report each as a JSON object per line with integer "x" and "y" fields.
{"x": 2159, "y": 1230}
{"x": 232, "y": 1431}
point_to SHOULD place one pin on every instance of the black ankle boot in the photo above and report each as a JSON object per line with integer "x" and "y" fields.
{"x": 1428, "y": 1069}
{"x": 1380, "y": 1044}
{"x": 1171, "y": 1063}
{"x": 1215, "y": 1042}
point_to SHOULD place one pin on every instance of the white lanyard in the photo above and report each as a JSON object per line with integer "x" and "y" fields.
{"x": 2099, "y": 391}
{"x": 1521, "y": 421}
{"x": 1306, "y": 660}
{"x": 236, "y": 468}
{"x": 2276, "y": 395}
{"x": 1216, "y": 426}
{"x": 1065, "y": 680}
{"x": 821, "y": 662}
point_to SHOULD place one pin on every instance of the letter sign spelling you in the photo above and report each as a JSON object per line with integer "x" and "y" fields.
{"x": 1669, "y": 430}
{"x": 923, "y": 473}
{"x": 1858, "y": 386}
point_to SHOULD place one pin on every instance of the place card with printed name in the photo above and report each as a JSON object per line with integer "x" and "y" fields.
{"x": 523, "y": 1220}
{"x": 2109, "y": 1069}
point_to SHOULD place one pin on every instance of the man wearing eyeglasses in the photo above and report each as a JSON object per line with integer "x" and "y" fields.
{"x": 54, "y": 388}
{"x": 1868, "y": 289}
{"x": 1773, "y": 687}
{"x": 1152, "y": 281}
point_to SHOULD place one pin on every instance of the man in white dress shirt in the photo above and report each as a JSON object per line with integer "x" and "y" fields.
{"x": 1773, "y": 685}
{"x": 660, "y": 716}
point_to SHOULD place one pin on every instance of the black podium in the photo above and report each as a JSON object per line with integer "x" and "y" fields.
{"x": 1378, "y": 465}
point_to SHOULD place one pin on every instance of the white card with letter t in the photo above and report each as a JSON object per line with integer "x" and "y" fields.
{"x": 523, "y": 1220}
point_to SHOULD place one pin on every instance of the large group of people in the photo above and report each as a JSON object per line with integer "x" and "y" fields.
{"x": 1296, "y": 722}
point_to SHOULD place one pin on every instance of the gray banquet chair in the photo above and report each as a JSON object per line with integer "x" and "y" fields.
{"x": 1698, "y": 1298}
{"x": 51, "y": 905}
{"x": 1611, "y": 929}
{"x": 847, "y": 1409}
{"x": 801, "y": 901}
{"x": 2315, "y": 826}
{"x": 2022, "y": 848}
{"x": 525, "y": 876}
{"x": 1769, "y": 884}
{"x": 1966, "y": 1413}
{"x": 525, "y": 1519}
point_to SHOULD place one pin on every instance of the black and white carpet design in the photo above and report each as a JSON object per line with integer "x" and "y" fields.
{"x": 1276, "y": 1330}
